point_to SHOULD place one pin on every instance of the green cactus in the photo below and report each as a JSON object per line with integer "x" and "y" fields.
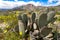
{"x": 25, "y": 20}
{"x": 21, "y": 28}
{"x": 22, "y": 22}
{"x": 50, "y": 16}
{"x": 42, "y": 20}
{"x": 46, "y": 31}
{"x": 33, "y": 17}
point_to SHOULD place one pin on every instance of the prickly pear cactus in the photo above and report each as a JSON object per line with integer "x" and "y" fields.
{"x": 33, "y": 17}
{"x": 21, "y": 28}
{"x": 46, "y": 31}
{"x": 50, "y": 16}
{"x": 25, "y": 20}
{"x": 42, "y": 20}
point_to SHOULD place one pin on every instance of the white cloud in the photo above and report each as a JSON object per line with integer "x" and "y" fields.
{"x": 9, "y": 4}
{"x": 50, "y": 1}
{"x": 58, "y": 3}
{"x": 6, "y": 4}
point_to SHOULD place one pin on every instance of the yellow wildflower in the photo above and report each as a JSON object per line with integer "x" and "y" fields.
{"x": 7, "y": 26}
{"x": 20, "y": 33}
{"x": 5, "y": 31}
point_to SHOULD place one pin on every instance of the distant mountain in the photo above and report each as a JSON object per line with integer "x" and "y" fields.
{"x": 28, "y": 7}
{"x": 31, "y": 7}
{"x": 25, "y": 7}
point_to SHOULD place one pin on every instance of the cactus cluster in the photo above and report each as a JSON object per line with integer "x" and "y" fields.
{"x": 41, "y": 23}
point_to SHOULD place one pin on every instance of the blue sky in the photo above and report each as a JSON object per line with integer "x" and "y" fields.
{"x": 14, "y": 3}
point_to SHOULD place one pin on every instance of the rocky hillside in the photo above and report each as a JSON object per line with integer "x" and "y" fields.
{"x": 30, "y": 7}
